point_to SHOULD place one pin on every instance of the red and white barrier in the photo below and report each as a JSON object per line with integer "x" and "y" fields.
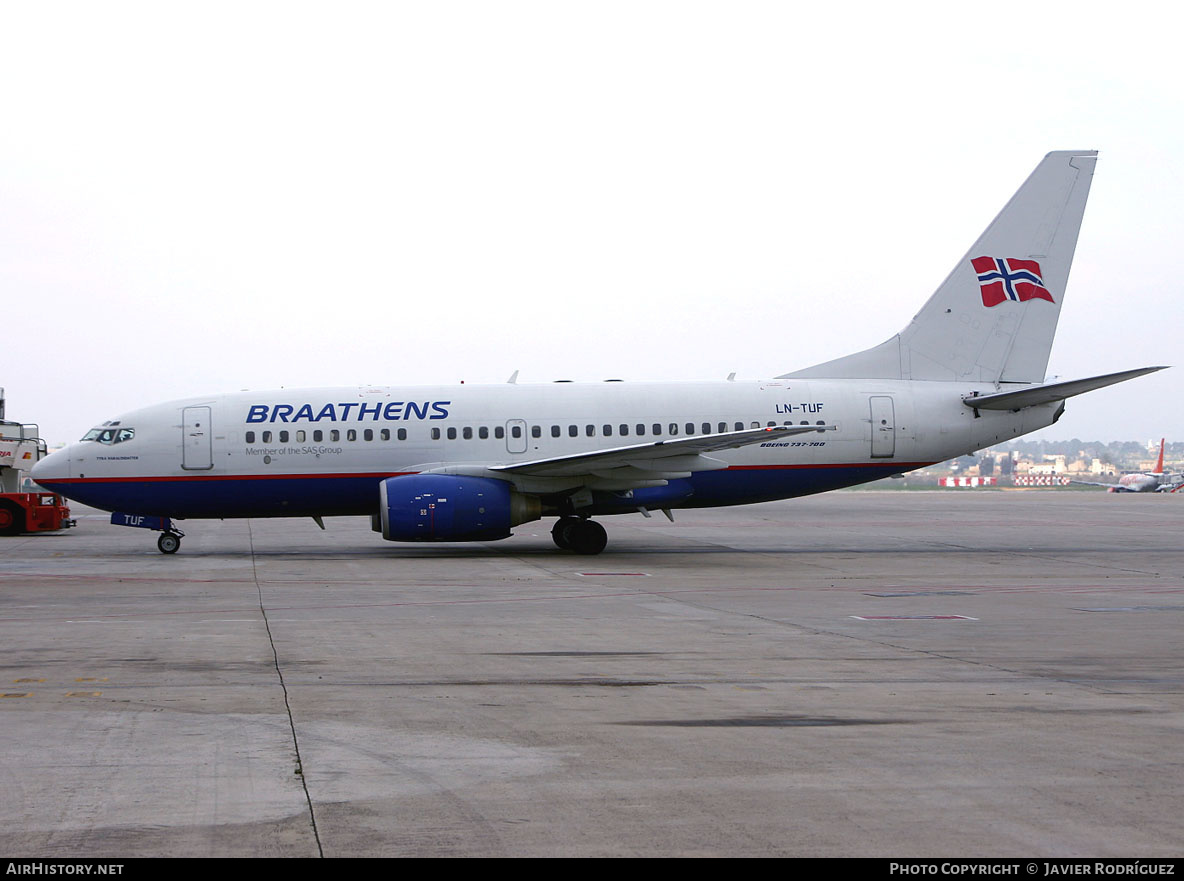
{"x": 1041, "y": 480}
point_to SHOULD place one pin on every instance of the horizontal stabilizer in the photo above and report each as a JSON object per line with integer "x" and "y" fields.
{"x": 1032, "y": 396}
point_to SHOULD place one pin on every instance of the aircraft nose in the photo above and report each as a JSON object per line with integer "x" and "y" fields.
{"x": 55, "y": 466}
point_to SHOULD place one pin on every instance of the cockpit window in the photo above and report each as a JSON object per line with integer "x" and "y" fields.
{"x": 109, "y": 435}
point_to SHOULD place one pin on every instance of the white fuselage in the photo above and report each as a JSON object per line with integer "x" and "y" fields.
{"x": 302, "y": 452}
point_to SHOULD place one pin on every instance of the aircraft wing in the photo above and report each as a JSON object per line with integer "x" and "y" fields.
{"x": 1048, "y": 393}
{"x": 647, "y": 464}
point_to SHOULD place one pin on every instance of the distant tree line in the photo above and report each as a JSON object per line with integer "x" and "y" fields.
{"x": 1115, "y": 452}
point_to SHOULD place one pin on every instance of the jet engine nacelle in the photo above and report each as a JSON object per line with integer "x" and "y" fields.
{"x": 445, "y": 507}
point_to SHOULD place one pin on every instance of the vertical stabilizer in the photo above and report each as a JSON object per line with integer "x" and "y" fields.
{"x": 994, "y": 317}
{"x": 1159, "y": 464}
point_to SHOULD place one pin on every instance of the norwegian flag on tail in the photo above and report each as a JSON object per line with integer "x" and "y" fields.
{"x": 1009, "y": 278}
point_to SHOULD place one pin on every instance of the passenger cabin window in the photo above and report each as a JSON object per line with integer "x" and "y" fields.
{"x": 250, "y": 437}
{"x": 555, "y": 431}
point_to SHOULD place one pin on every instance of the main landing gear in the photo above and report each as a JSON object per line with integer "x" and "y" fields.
{"x": 579, "y": 535}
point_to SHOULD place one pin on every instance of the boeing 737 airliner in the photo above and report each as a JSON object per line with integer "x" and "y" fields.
{"x": 468, "y": 463}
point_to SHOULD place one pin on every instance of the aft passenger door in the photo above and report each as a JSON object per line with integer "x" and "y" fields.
{"x": 883, "y": 427}
{"x": 196, "y": 449}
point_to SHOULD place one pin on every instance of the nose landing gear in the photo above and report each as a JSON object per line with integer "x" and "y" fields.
{"x": 170, "y": 538}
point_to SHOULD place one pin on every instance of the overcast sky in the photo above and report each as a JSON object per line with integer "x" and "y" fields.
{"x": 205, "y": 197}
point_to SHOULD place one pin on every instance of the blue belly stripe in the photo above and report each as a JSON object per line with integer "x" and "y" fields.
{"x": 225, "y": 496}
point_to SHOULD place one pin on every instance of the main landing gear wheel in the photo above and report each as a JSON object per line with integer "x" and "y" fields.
{"x": 168, "y": 543}
{"x": 582, "y": 536}
{"x": 561, "y": 530}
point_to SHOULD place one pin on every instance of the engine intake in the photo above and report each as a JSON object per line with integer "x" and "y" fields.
{"x": 445, "y": 507}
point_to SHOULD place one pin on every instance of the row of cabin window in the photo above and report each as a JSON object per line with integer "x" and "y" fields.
{"x": 333, "y": 435}
{"x": 623, "y": 430}
{"x": 482, "y": 432}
